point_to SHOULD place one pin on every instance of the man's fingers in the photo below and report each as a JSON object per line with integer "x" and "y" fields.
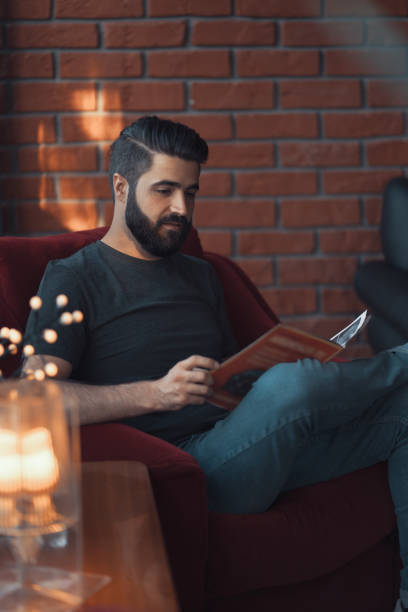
{"x": 200, "y": 376}
{"x": 198, "y": 361}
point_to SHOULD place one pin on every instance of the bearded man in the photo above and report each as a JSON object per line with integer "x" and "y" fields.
{"x": 155, "y": 327}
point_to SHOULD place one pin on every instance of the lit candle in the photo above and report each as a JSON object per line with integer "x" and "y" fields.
{"x": 39, "y": 464}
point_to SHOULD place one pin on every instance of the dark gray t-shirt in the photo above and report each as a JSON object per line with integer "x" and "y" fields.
{"x": 141, "y": 317}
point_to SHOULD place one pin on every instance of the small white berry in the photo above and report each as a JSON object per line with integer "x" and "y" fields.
{"x": 4, "y": 332}
{"x": 61, "y": 300}
{"x": 51, "y": 369}
{"x": 28, "y": 350}
{"x": 36, "y": 302}
{"x": 15, "y": 336}
{"x": 66, "y": 318}
{"x": 12, "y": 349}
{"x": 39, "y": 375}
{"x": 50, "y": 335}
{"x": 78, "y": 316}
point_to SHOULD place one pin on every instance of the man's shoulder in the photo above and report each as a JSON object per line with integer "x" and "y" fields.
{"x": 78, "y": 261}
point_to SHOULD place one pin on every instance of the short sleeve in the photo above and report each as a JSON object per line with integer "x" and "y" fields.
{"x": 71, "y": 342}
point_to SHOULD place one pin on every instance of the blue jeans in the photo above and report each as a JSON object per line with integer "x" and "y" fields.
{"x": 307, "y": 422}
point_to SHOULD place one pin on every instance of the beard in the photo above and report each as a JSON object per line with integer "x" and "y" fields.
{"x": 148, "y": 233}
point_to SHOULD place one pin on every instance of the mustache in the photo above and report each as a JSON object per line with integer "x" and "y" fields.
{"x": 174, "y": 218}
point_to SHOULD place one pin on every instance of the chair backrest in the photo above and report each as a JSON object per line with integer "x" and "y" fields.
{"x": 23, "y": 261}
{"x": 394, "y": 223}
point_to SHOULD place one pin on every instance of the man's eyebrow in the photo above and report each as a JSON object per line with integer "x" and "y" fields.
{"x": 166, "y": 183}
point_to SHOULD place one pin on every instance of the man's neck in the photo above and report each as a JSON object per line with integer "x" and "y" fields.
{"x": 125, "y": 243}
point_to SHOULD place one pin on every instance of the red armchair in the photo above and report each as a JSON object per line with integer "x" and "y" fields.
{"x": 330, "y": 546}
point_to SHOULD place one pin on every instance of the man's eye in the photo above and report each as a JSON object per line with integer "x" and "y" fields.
{"x": 163, "y": 191}
{"x": 191, "y": 194}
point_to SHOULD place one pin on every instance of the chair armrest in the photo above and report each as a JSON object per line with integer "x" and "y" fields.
{"x": 180, "y": 493}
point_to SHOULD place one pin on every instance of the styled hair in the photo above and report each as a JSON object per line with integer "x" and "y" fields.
{"x": 131, "y": 155}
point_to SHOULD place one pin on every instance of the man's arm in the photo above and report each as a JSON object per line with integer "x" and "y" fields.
{"x": 188, "y": 382}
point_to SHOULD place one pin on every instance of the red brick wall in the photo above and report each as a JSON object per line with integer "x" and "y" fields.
{"x": 302, "y": 101}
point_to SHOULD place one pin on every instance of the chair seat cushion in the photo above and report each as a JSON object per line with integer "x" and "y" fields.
{"x": 308, "y": 532}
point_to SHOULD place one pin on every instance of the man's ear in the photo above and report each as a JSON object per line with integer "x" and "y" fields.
{"x": 120, "y": 187}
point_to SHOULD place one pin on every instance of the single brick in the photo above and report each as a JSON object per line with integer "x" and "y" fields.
{"x": 136, "y": 35}
{"x": 276, "y": 183}
{"x": 27, "y": 9}
{"x": 25, "y": 130}
{"x": 98, "y": 9}
{"x": 373, "y": 61}
{"x": 232, "y": 95}
{"x": 27, "y": 187}
{"x": 217, "y": 242}
{"x": 321, "y": 154}
{"x": 390, "y": 92}
{"x": 365, "y": 8}
{"x": 233, "y": 32}
{"x": 277, "y": 62}
{"x": 32, "y": 217}
{"x": 387, "y": 153}
{"x": 146, "y": 96}
{"x": 215, "y": 184}
{"x": 341, "y": 300}
{"x": 84, "y": 187}
{"x": 58, "y": 35}
{"x": 77, "y": 128}
{"x": 54, "y": 97}
{"x": 373, "y": 210}
{"x": 362, "y": 124}
{"x": 291, "y": 301}
{"x": 277, "y": 8}
{"x": 275, "y": 242}
{"x": 350, "y": 241}
{"x": 391, "y": 32}
{"x": 234, "y": 213}
{"x": 317, "y": 270}
{"x": 58, "y": 159}
{"x": 357, "y": 181}
{"x": 100, "y": 65}
{"x": 277, "y": 125}
{"x": 320, "y": 94}
{"x": 260, "y": 271}
{"x": 169, "y": 8}
{"x": 241, "y": 155}
{"x": 321, "y": 33}
{"x": 189, "y": 64}
{"x": 316, "y": 212}
{"x": 27, "y": 65}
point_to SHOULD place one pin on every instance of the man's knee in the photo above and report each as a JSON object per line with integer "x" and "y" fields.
{"x": 289, "y": 384}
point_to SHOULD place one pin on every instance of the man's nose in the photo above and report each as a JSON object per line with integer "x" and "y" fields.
{"x": 178, "y": 203}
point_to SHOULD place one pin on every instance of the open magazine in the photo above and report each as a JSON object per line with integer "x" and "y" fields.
{"x": 280, "y": 344}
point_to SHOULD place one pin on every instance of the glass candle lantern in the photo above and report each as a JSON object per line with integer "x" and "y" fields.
{"x": 40, "y": 510}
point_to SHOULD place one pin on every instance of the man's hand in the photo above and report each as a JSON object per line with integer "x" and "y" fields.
{"x": 188, "y": 382}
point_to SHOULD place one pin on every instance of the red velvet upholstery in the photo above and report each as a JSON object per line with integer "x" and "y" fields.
{"x": 329, "y": 546}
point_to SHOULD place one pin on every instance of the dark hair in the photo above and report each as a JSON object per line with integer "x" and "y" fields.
{"x": 131, "y": 155}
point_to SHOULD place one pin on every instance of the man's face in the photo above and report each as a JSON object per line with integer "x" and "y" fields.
{"x": 159, "y": 211}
